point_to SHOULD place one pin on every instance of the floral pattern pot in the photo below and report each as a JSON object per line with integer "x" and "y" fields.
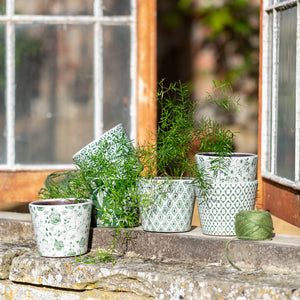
{"x": 61, "y": 226}
{"x": 217, "y": 210}
{"x": 170, "y": 207}
{"x": 239, "y": 167}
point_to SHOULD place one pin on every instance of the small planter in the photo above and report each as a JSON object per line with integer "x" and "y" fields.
{"x": 61, "y": 226}
{"x": 218, "y": 209}
{"x": 233, "y": 189}
{"x": 171, "y": 204}
{"x": 112, "y": 212}
{"x": 118, "y": 156}
{"x": 239, "y": 167}
{"x": 111, "y": 143}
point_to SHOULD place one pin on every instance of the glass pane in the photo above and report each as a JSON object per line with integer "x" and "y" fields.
{"x": 54, "y": 92}
{"x": 2, "y": 96}
{"x": 116, "y": 7}
{"x": 287, "y": 94}
{"x": 117, "y": 82}
{"x": 2, "y": 7}
{"x": 270, "y": 73}
{"x": 54, "y": 7}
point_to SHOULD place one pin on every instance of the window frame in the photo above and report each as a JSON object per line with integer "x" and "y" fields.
{"x": 279, "y": 195}
{"x": 266, "y": 113}
{"x": 21, "y": 183}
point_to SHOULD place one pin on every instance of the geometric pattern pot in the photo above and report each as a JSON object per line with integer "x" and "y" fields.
{"x": 170, "y": 207}
{"x": 238, "y": 167}
{"x": 61, "y": 227}
{"x": 224, "y": 200}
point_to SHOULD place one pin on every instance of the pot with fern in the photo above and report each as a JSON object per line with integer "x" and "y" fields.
{"x": 230, "y": 178}
{"x": 110, "y": 167}
{"x": 167, "y": 187}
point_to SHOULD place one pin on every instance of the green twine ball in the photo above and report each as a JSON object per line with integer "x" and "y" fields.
{"x": 254, "y": 225}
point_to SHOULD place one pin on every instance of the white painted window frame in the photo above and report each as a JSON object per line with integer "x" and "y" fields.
{"x": 269, "y": 134}
{"x": 98, "y": 20}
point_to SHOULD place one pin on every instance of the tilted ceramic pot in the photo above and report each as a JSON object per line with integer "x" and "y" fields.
{"x": 61, "y": 226}
{"x": 114, "y": 144}
{"x": 238, "y": 167}
{"x": 168, "y": 204}
{"x": 219, "y": 206}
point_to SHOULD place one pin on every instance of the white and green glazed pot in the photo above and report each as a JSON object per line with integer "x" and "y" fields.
{"x": 167, "y": 205}
{"x": 111, "y": 143}
{"x": 219, "y": 206}
{"x": 117, "y": 148}
{"x": 61, "y": 226}
{"x": 109, "y": 212}
{"x": 238, "y": 167}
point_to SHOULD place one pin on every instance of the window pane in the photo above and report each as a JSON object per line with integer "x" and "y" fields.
{"x": 2, "y": 96}
{"x": 287, "y": 94}
{"x": 54, "y": 7}
{"x": 116, "y": 7}
{"x": 54, "y": 92}
{"x": 117, "y": 81}
{"x": 2, "y": 7}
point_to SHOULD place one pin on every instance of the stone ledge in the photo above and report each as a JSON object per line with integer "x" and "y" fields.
{"x": 281, "y": 254}
{"x": 153, "y": 278}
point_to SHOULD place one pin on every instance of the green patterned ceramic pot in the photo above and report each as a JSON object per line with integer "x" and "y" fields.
{"x": 218, "y": 208}
{"x": 115, "y": 206}
{"x": 114, "y": 144}
{"x": 61, "y": 226}
{"x": 167, "y": 204}
{"x": 238, "y": 167}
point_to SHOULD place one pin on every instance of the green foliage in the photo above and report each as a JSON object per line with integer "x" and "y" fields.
{"x": 168, "y": 156}
{"x": 64, "y": 184}
{"x": 222, "y": 96}
{"x": 172, "y": 153}
{"x": 114, "y": 183}
{"x": 99, "y": 256}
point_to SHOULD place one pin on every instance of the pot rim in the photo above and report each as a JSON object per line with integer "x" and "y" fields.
{"x": 59, "y": 202}
{"x": 232, "y": 155}
{"x": 97, "y": 140}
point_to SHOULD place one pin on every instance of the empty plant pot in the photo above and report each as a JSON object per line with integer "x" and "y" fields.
{"x": 219, "y": 206}
{"x": 238, "y": 167}
{"x": 113, "y": 144}
{"x": 61, "y": 226}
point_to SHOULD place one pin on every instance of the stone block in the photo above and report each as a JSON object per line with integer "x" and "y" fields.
{"x": 13, "y": 291}
{"x": 155, "y": 278}
{"x": 7, "y": 252}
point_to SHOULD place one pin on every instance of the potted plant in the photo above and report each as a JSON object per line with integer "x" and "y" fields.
{"x": 112, "y": 186}
{"x": 230, "y": 177}
{"x": 62, "y": 220}
{"x": 169, "y": 170}
{"x": 110, "y": 167}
